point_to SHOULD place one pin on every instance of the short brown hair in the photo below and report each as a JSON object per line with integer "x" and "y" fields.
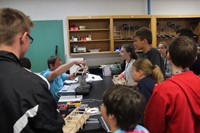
{"x": 144, "y": 33}
{"x": 183, "y": 51}
{"x": 126, "y": 104}
{"x": 12, "y": 22}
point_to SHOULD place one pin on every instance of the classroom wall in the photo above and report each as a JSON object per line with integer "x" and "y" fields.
{"x": 60, "y": 9}
{"x": 175, "y": 7}
{"x": 48, "y": 40}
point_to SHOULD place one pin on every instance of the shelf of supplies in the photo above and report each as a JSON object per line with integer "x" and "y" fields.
{"x": 110, "y": 32}
{"x": 167, "y": 25}
{"x": 96, "y": 28}
{"x": 97, "y": 40}
{"x": 91, "y": 53}
{"x": 137, "y": 51}
{"x": 121, "y": 40}
{"x": 89, "y": 30}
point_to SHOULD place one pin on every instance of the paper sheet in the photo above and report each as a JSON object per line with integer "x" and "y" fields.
{"x": 93, "y": 77}
{"x": 90, "y": 77}
{"x": 71, "y": 98}
{"x": 74, "y": 67}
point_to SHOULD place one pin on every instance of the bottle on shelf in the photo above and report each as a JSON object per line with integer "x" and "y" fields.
{"x": 75, "y": 49}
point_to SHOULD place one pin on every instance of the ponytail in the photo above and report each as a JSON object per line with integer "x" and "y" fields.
{"x": 157, "y": 74}
{"x": 146, "y": 66}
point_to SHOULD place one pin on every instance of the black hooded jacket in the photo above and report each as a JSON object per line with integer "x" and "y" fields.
{"x": 26, "y": 105}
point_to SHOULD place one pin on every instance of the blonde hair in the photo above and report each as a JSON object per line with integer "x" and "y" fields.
{"x": 146, "y": 66}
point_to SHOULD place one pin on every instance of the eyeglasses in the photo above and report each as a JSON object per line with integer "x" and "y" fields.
{"x": 30, "y": 38}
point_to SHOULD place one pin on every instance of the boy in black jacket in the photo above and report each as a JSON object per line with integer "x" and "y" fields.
{"x": 27, "y": 106}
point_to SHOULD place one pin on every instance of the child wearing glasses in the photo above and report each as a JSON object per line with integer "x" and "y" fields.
{"x": 122, "y": 109}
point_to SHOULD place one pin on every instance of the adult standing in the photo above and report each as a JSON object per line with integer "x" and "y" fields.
{"x": 27, "y": 106}
{"x": 56, "y": 74}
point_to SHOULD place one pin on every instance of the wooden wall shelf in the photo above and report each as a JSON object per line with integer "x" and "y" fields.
{"x": 110, "y": 32}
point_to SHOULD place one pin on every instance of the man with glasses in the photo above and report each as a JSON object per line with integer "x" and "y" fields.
{"x": 27, "y": 106}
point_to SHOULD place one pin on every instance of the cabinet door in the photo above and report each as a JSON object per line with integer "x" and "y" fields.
{"x": 89, "y": 35}
{"x": 168, "y": 25}
{"x": 124, "y": 28}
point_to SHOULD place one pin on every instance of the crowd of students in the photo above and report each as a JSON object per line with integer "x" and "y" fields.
{"x": 172, "y": 102}
{"x": 163, "y": 103}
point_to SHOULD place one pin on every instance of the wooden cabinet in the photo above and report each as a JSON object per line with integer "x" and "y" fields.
{"x": 166, "y": 26}
{"x": 89, "y": 35}
{"x": 103, "y": 33}
{"x": 125, "y": 26}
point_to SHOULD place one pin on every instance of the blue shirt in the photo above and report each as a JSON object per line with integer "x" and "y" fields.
{"x": 56, "y": 84}
{"x": 138, "y": 129}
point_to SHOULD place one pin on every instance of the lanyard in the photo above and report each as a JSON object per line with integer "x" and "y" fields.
{"x": 181, "y": 71}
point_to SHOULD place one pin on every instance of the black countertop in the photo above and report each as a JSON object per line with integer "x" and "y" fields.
{"x": 94, "y": 99}
{"x": 95, "y": 95}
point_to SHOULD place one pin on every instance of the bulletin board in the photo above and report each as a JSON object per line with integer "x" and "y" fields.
{"x": 47, "y": 36}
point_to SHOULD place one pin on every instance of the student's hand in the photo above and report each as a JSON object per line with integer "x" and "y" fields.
{"x": 72, "y": 76}
{"x": 120, "y": 76}
{"x": 80, "y": 63}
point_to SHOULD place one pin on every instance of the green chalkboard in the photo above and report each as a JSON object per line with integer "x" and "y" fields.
{"x": 47, "y": 35}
